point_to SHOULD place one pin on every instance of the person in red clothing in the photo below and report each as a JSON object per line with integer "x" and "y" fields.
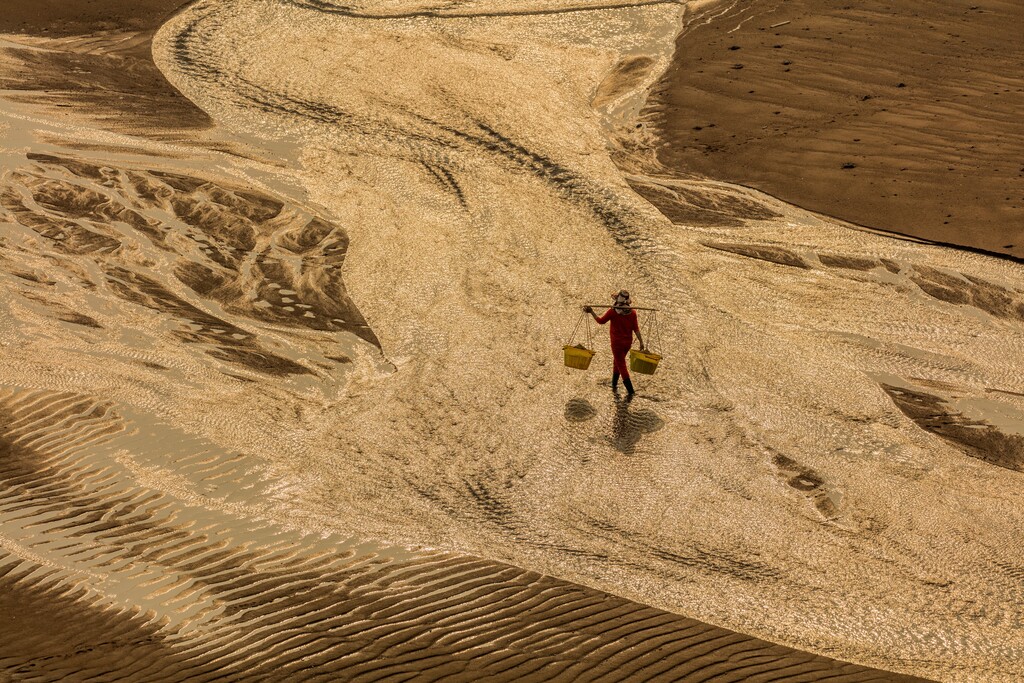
{"x": 624, "y": 324}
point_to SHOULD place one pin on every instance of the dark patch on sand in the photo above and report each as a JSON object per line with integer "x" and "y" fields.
{"x": 120, "y": 92}
{"x": 808, "y": 482}
{"x": 29, "y": 473}
{"x": 34, "y": 277}
{"x": 68, "y": 204}
{"x": 62, "y": 311}
{"x": 707, "y": 206}
{"x": 243, "y": 248}
{"x": 65, "y": 236}
{"x": 624, "y": 78}
{"x": 579, "y": 410}
{"x": 1004, "y": 391}
{"x": 848, "y": 262}
{"x": 768, "y": 253}
{"x": 232, "y": 344}
{"x": 975, "y": 438}
{"x": 47, "y": 628}
{"x": 80, "y": 319}
{"x": 858, "y": 263}
{"x": 80, "y": 17}
{"x": 631, "y": 424}
{"x": 967, "y": 290}
{"x": 903, "y": 117}
{"x": 77, "y": 167}
{"x": 446, "y": 179}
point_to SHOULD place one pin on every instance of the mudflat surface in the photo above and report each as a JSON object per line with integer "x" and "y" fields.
{"x": 903, "y": 117}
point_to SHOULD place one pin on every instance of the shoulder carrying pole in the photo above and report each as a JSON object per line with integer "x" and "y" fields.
{"x": 634, "y": 308}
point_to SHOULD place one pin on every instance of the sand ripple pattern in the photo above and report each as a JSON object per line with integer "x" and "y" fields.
{"x": 810, "y": 465}
{"x": 222, "y": 371}
{"x": 112, "y": 579}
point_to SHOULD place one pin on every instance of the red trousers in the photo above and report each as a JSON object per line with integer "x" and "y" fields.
{"x": 619, "y": 364}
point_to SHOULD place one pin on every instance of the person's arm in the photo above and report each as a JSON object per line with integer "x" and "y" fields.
{"x": 603, "y": 319}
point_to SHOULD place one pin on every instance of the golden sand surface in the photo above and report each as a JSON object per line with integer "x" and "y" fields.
{"x": 134, "y": 551}
{"x": 899, "y": 116}
{"x": 230, "y": 356}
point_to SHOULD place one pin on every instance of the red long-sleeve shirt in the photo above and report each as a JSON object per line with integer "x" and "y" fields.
{"x": 622, "y": 329}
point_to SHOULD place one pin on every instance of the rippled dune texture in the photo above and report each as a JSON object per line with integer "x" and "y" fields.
{"x": 220, "y": 370}
{"x": 765, "y": 477}
{"x": 106, "y": 578}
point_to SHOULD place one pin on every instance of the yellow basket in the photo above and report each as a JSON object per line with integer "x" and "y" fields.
{"x": 643, "y": 362}
{"x": 578, "y": 358}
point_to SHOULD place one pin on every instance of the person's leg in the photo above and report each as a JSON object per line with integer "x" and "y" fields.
{"x": 619, "y": 366}
{"x": 615, "y": 380}
{"x": 622, "y": 367}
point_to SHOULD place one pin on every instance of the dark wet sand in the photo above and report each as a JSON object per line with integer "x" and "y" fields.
{"x": 78, "y": 17}
{"x": 901, "y": 117}
{"x": 111, "y": 79}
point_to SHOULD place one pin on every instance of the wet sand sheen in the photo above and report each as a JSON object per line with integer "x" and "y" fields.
{"x": 432, "y": 616}
{"x": 771, "y": 406}
{"x": 254, "y": 602}
{"x": 437, "y": 614}
{"x": 180, "y": 537}
{"x": 900, "y": 117}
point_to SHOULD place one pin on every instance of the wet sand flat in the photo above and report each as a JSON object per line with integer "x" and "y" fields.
{"x": 898, "y": 116}
{"x": 250, "y": 601}
{"x": 766, "y": 458}
{"x": 134, "y": 552}
{"x": 104, "y": 572}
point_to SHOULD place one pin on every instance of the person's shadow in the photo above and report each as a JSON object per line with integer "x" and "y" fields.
{"x": 629, "y": 425}
{"x": 579, "y": 410}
